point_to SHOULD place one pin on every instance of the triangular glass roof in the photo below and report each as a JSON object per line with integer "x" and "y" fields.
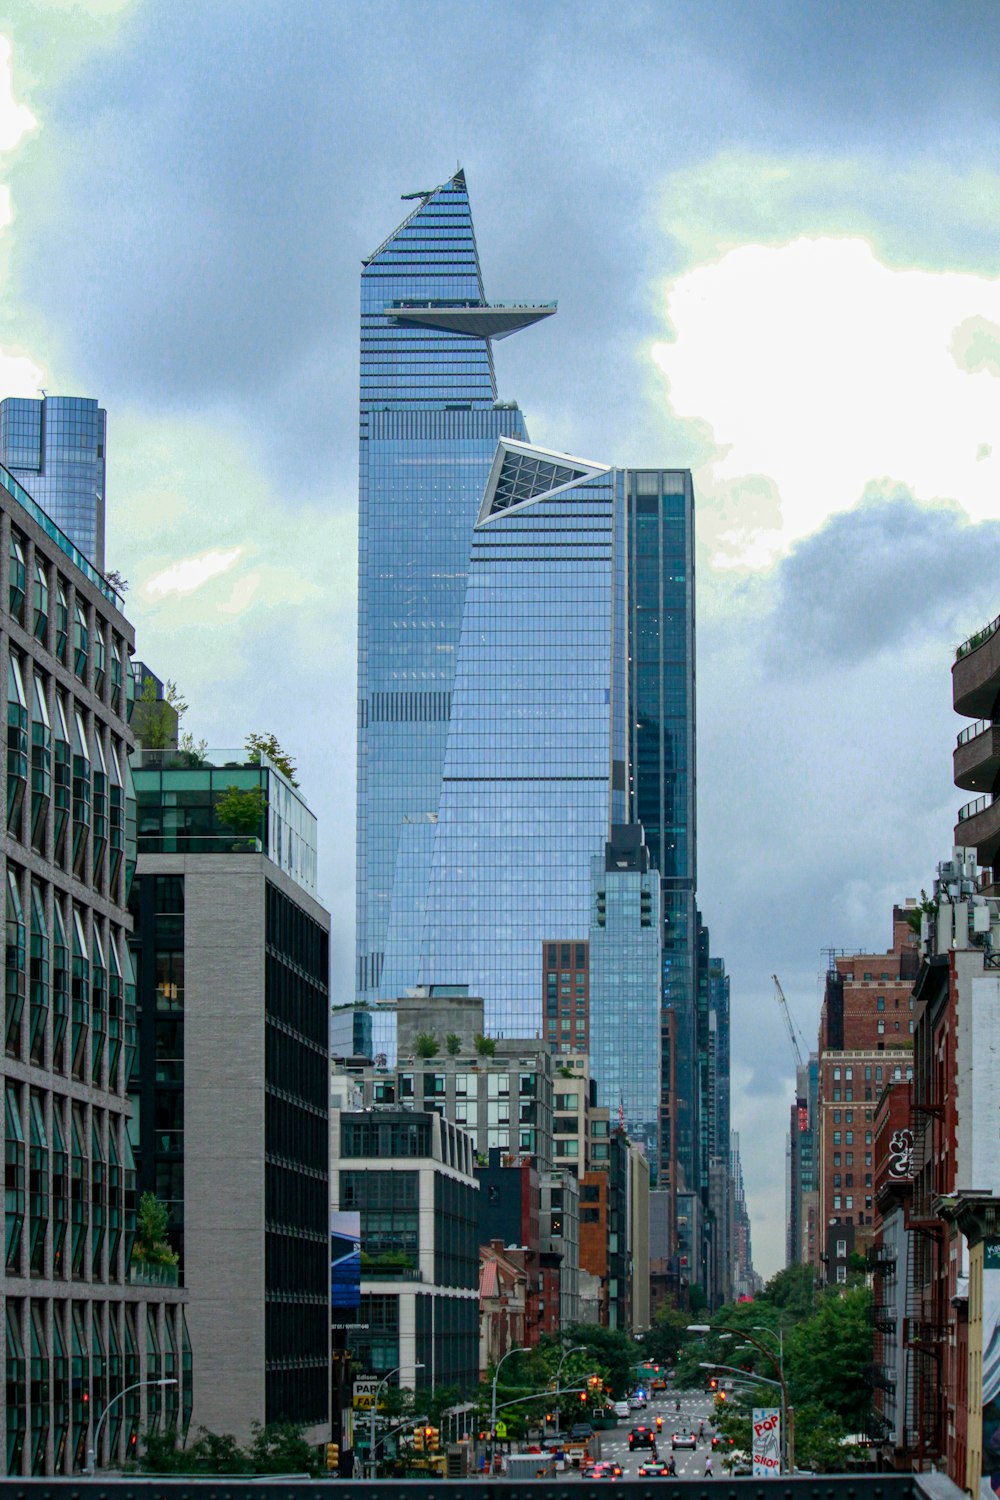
{"x": 522, "y": 474}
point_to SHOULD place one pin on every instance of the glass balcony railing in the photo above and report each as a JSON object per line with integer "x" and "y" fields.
{"x": 978, "y": 638}
{"x": 198, "y": 843}
{"x": 58, "y": 536}
{"x": 979, "y": 727}
{"x": 148, "y": 1273}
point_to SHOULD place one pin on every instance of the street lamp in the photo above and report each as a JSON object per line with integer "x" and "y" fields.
{"x": 92, "y": 1451}
{"x": 778, "y": 1361}
{"x": 371, "y": 1430}
{"x": 493, "y": 1404}
{"x": 576, "y": 1349}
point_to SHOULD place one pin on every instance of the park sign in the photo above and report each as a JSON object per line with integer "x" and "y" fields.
{"x": 365, "y": 1390}
{"x": 766, "y": 1446}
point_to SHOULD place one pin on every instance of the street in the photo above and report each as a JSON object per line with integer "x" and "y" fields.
{"x": 696, "y": 1407}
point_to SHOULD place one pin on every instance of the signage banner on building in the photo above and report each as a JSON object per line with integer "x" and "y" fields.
{"x": 345, "y": 1259}
{"x": 365, "y": 1387}
{"x": 989, "y": 1484}
{"x": 766, "y": 1442}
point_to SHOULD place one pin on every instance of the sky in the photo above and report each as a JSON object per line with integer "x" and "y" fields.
{"x": 772, "y": 229}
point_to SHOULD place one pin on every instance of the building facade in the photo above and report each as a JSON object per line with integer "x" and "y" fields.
{"x": 82, "y": 1318}
{"x": 231, "y": 1089}
{"x": 56, "y": 448}
{"x": 410, "y": 1176}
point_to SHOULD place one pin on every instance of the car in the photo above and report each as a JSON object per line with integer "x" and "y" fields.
{"x": 654, "y": 1468}
{"x": 606, "y": 1469}
{"x": 641, "y": 1437}
{"x": 684, "y": 1440}
{"x": 718, "y": 1441}
{"x": 659, "y": 1384}
{"x": 580, "y": 1432}
{"x": 621, "y": 1408}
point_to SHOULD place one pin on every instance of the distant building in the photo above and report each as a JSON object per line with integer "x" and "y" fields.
{"x": 410, "y": 1175}
{"x": 230, "y": 1093}
{"x": 56, "y": 448}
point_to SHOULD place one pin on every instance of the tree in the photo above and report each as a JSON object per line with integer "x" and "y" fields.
{"x": 827, "y": 1356}
{"x": 242, "y": 810}
{"x": 151, "y": 1243}
{"x": 793, "y": 1290}
{"x": 155, "y": 720}
{"x": 280, "y": 1448}
{"x": 665, "y": 1339}
{"x": 117, "y": 582}
{"x": 485, "y": 1046}
{"x": 267, "y": 744}
{"x": 453, "y": 1044}
{"x": 425, "y": 1044}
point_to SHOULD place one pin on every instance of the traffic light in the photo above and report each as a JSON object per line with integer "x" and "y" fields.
{"x": 333, "y": 1456}
{"x": 433, "y": 1439}
{"x": 583, "y": 1397}
{"x": 722, "y": 1395}
{"x": 713, "y": 1384}
{"x": 418, "y": 1440}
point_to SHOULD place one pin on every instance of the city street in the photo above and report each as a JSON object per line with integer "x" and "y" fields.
{"x": 696, "y": 1407}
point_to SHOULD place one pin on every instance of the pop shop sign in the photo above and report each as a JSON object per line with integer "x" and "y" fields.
{"x": 766, "y": 1442}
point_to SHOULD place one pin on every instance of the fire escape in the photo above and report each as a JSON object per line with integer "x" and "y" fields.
{"x": 926, "y": 1328}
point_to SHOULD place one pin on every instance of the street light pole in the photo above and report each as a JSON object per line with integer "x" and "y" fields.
{"x": 92, "y": 1452}
{"x": 371, "y": 1430}
{"x": 778, "y": 1361}
{"x": 493, "y": 1404}
{"x": 576, "y": 1349}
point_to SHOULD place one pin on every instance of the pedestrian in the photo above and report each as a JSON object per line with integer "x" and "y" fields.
{"x": 672, "y": 1467}
{"x": 708, "y": 1467}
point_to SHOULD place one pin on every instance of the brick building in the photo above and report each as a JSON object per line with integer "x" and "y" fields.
{"x": 865, "y": 1044}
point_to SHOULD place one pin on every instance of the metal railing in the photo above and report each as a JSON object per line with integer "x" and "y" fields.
{"x": 974, "y": 730}
{"x": 978, "y": 638}
{"x": 977, "y": 805}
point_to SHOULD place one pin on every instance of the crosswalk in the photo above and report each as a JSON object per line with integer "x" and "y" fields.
{"x": 696, "y": 1409}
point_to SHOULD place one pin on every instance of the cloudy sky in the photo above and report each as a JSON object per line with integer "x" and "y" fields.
{"x": 772, "y": 229}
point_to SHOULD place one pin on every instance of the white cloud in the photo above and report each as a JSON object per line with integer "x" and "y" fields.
{"x": 819, "y": 366}
{"x": 16, "y": 120}
{"x": 190, "y": 573}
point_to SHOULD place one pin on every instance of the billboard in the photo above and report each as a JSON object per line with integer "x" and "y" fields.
{"x": 766, "y": 1444}
{"x": 989, "y": 1484}
{"x": 345, "y": 1259}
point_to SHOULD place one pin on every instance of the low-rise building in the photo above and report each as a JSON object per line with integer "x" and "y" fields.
{"x": 411, "y": 1176}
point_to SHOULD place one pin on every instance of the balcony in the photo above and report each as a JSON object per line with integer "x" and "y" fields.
{"x": 150, "y": 1273}
{"x": 881, "y": 1317}
{"x": 975, "y": 677}
{"x": 882, "y": 1377}
{"x": 976, "y": 759}
{"x": 978, "y": 827}
{"x": 391, "y": 1273}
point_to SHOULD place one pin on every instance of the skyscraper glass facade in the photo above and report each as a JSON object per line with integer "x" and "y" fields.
{"x": 625, "y": 967}
{"x": 430, "y": 422}
{"x": 662, "y": 766}
{"x": 536, "y": 722}
{"x": 56, "y": 448}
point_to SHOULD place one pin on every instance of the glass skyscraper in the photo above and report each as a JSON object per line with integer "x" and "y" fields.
{"x": 430, "y": 423}
{"x": 56, "y": 448}
{"x": 526, "y": 683}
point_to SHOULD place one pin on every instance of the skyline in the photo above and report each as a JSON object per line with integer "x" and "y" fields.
{"x": 831, "y": 350}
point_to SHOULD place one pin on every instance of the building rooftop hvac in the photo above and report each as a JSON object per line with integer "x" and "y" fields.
{"x": 62, "y": 541}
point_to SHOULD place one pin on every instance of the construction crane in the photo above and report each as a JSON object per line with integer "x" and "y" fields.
{"x": 789, "y": 1023}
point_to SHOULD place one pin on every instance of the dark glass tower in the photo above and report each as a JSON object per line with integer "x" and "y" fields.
{"x": 56, "y": 448}
{"x": 430, "y": 423}
{"x": 662, "y": 761}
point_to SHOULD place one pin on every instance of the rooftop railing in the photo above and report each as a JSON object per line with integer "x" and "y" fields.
{"x": 979, "y": 727}
{"x": 978, "y": 638}
{"x": 57, "y": 535}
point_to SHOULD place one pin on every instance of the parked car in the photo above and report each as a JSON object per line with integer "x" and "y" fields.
{"x": 683, "y": 1440}
{"x": 718, "y": 1441}
{"x": 621, "y": 1409}
{"x": 641, "y": 1437}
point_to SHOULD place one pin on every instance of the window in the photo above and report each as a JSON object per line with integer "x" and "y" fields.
{"x": 880, "y": 1003}
{"x": 836, "y": 1117}
{"x": 849, "y": 1138}
{"x": 841, "y": 1274}
{"x": 567, "y": 1148}
{"x": 841, "y": 1249}
{"x": 836, "y": 1137}
{"x": 849, "y": 1201}
{"x": 881, "y": 1028}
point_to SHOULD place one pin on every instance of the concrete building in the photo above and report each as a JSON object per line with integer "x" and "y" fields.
{"x": 82, "y": 1318}
{"x": 559, "y": 1230}
{"x": 230, "y": 1094}
{"x": 410, "y": 1175}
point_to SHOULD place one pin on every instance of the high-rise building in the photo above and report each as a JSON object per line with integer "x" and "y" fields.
{"x": 625, "y": 956}
{"x": 663, "y": 781}
{"x": 231, "y": 1091}
{"x": 430, "y": 422}
{"x": 83, "y": 1318}
{"x": 56, "y": 448}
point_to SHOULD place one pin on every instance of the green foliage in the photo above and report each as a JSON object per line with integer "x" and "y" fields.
{"x": 610, "y": 1351}
{"x": 278, "y": 1448}
{"x": 529, "y": 1378}
{"x": 425, "y": 1044}
{"x": 666, "y": 1338}
{"x": 453, "y": 1044}
{"x": 827, "y": 1357}
{"x": 241, "y": 809}
{"x": 267, "y": 744}
{"x": 925, "y": 907}
{"x": 155, "y": 720}
{"x": 486, "y": 1046}
{"x": 793, "y": 1290}
{"x": 151, "y": 1243}
{"x": 193, "y": 751}
{"x": 697, "y": 1299}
